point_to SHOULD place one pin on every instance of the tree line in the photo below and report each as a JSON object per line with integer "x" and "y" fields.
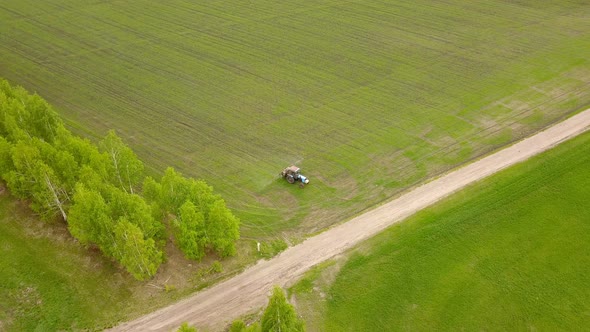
{"x": 101, "y": 191}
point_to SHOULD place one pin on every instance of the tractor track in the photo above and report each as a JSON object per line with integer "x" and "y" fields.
{"x": 215, "y": 307}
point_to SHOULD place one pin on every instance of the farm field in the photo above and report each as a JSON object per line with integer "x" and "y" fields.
{"x": 368, "y": 98}
{"x": 508, "y": 253}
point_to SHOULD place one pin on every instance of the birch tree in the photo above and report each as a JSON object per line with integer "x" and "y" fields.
{"x": 6, "y": 164}
{"x": 189, "y": 231}
{"x": 135, "y": 210}
{"x": 140, "y": 257}
{"x": 90, "y": 222}
{"x": 40, "y": 120}
{"x": 152, "y": 193}
{"x": 279, "y": 315}
{"x": 126, "y": 168}
{"x": 32, "y": 178}
{"x": 223, "y": 229}
{"x": 175, "y": 189}
{"x": 49, "y": 195}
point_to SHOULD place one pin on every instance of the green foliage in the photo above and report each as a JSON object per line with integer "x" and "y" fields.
{"x": 240, "y": 326}
{"x": 237, "y": 326}
{"x": 24, "y": 159}
{"x": 152, "y": 192}
{"x": 29, "y": 176}
{"x": 65, "y": 167}
{"x": 279, "y": 315}
{"x": 151, "y": 189}
{"x": 186, "y": 328}
{"x": 23, "y": 115}
{"x": 222, "y": 229}
{"x": 190, "y": 233}
{"x": 123, "y": 228}
{"x": 509, "y": 253}
{"x": 48, "y": 194}
{"x": 140, "y": 257}
{"x": 216, "y": 267}
{"x": 94, "y": 189}
{"x": 89, "y": 220}
{"x": 272, "y": 248}
{"x": 135, "y": 209}
{"x": 203, "y": 219}
{"x": 176, "y": 189}
{"x": 85, "y": 154}
{"x": 6, "y": 163}
{"x": 91, "y": 179}
{"x": 126, "y": 170}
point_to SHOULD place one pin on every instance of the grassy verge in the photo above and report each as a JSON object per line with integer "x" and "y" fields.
{"x": 509, "y": 253}
{"x": 49, "y": 282}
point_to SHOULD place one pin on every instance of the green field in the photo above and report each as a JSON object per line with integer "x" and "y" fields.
{"x": 367, "y": 97}
{"x": 509, "y": 253}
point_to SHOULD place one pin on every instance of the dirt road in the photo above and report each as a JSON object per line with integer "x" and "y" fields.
{"x": 220, "y": 304}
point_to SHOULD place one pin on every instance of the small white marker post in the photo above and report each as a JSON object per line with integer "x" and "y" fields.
{"x": 258, "y": 246}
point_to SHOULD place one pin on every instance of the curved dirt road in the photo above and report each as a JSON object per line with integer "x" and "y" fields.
{"x": 220, "y": 304}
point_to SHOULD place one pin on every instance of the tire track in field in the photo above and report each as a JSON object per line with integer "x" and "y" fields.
{"x": 215, "y": 307}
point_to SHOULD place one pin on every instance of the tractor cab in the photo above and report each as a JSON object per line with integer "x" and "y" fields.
{"x": 292, "y": 174}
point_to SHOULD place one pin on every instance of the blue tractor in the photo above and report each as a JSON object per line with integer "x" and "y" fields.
{"x": 292, "y": 174}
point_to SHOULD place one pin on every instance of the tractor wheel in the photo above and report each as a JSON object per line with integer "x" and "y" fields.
{"x": 290, "y": 179}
